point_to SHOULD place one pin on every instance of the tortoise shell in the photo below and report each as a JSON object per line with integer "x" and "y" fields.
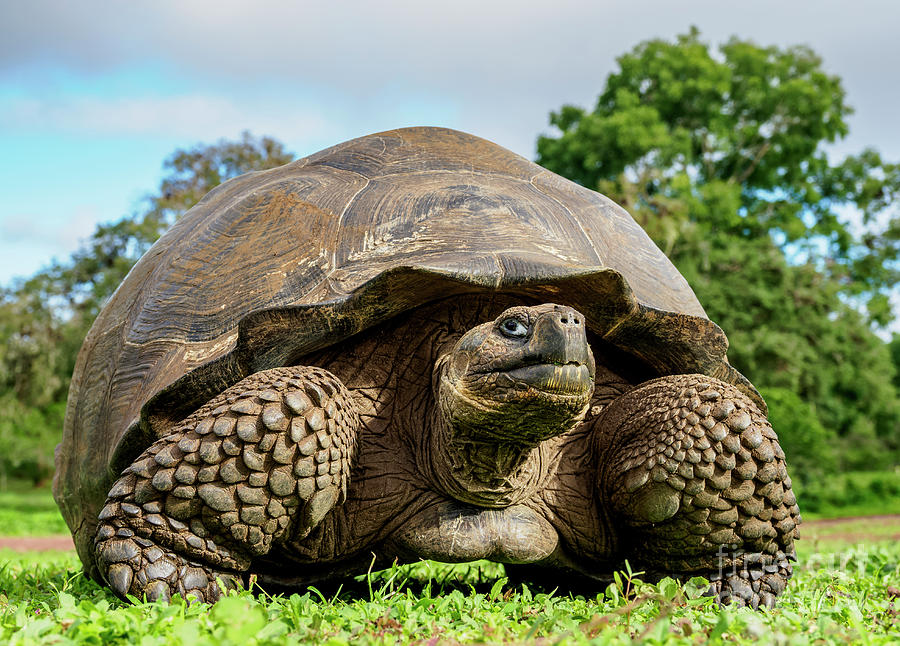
{"x": 276, "y": 264}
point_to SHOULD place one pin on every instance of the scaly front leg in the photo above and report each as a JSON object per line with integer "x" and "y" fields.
{"x": 263, "y": 461}
{"x": 693, "y": 471}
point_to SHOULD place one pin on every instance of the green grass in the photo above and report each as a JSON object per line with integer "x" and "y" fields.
{"x": 29, "y": 512}
{"x": 822, "y": 540}
{"x": 887, "y": 507}
{"x": 834, "y": 597}
{"x": 842, "y": 591}
{"x": 851, "y": 493}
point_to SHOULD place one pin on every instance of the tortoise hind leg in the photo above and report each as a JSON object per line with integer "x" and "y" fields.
{"x": 265, "y": 460}
{"x": 693, "y": 474}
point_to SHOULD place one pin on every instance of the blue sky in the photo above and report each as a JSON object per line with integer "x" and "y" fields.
{"x": 95, "y": 95}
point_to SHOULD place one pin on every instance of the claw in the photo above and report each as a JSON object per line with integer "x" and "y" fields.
{"x": 157, "y": 590}
{"x": 320, "y": 504}
{"x": 120, "y": 577}
{"x": 194, "y": 579}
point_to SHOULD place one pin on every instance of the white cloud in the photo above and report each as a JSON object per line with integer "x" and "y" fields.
{"x": 469, "y": 43}
{"x": 32, "y": 230}
{"x": 191, "y": 116}
{"x": 502, "y": 64}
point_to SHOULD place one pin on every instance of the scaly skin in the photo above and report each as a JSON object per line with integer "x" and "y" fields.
{"x": 490, "y": 458}
{"x": 697, "y": 483}
{"x": 259, "y": 464}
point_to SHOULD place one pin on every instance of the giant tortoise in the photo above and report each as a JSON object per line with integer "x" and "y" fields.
{"x": 415, "y": 344}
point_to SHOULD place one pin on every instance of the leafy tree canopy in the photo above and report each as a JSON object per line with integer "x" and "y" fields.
{"x": 721, "y": 155}
{"x": 732, "y": 140}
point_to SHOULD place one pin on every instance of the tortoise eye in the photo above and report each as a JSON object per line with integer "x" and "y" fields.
{"x": 513, "y": 327}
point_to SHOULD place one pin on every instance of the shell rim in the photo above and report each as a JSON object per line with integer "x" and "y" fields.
{"x": 620, "y": 320}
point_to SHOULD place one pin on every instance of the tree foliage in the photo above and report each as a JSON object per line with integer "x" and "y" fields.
{"x": 790, "y": 330}
{"x": 44, "y": 319}
{"x": 721, "y": 155}
{"x": 693, "y": 140}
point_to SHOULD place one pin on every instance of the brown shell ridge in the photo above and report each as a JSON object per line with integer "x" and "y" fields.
{"x": 670, "y": 343}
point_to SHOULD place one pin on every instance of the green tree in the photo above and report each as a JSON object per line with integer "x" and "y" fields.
{"x": 721, "y": 155}
{"x": 36, "y": 354}
{"x": 790, "y": 329}
{"x": 694, "y": 141}
{"x": 44, "y": 319}
{"x": 895, "y": 357}
{"x": 809, "y": 446}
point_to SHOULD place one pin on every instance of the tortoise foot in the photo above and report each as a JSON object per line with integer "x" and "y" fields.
{"x": 134, "y": 565}
{"x": 697, "y": 480}
{"x": 265, "y": 460}
{"x": 756, "y": 582}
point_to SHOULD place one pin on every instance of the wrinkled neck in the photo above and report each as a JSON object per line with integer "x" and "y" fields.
{"x": 471, "y": 464}
{"x": 484, "y": 473}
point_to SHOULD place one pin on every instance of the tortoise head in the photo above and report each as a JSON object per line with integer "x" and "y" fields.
{"x": 522, "y": 378}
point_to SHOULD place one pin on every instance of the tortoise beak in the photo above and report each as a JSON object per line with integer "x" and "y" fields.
{"x": 559, "y": 338}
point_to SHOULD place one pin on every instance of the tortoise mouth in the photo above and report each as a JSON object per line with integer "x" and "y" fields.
{"x": 571, "y": 378}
